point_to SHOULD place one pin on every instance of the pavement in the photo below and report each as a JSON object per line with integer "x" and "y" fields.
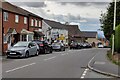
{"x": 100, "y": 63}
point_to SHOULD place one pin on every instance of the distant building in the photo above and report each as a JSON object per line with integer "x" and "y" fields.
{"x": 55, "y": 31}
{"x": 90, "y": 36}
{"x": 74, "y": 33}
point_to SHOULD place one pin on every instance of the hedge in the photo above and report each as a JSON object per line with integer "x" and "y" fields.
{"x": 117, "y": 39}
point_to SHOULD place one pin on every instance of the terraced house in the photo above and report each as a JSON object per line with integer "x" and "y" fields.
{"x": 0, "y": 27}
{"x": 18, "y": 25}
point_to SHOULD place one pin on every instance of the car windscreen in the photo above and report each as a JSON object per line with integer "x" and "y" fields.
{"x": 21, "y": 44}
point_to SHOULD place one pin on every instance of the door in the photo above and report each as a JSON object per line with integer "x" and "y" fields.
{"x": 32, "y": 48}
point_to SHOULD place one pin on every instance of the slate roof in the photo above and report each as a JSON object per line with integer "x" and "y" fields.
{"x": 89, "y": 34}
{"x": 15, "y": 9}
{"x": 54, "y": 24}
{"x": 73, "y": 30}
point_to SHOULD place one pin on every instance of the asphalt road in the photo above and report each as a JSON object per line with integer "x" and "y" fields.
{"x": 67, "y": 64}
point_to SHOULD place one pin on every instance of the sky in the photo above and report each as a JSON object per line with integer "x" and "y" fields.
{"x": 85, "y": 13}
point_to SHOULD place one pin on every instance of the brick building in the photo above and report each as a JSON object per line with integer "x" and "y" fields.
{"x": 0, "y": 27}
{"x": 18, "y": 25}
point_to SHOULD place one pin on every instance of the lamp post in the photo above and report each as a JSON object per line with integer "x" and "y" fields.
{"x": 113, "y": 39}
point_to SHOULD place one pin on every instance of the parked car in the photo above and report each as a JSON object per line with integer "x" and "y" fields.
{"x": 80, "y": 45}
{"x": 44, "y": 46}
{"x": 100, "y": 45}
{"x": 74, "y": 45}
{"x": 58, "y": 46}
{"x": 87, "y": 45}
{"x": 23, "y": 49}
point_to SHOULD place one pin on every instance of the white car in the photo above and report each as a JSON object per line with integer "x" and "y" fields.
{"x": 100, "y": 45}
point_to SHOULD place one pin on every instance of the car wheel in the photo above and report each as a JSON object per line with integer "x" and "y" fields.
{"x": 37, "y": 53}
{"x": 64, "y": 49}
{"x": 45, "y": 51}
{"x": 50, "y": 50}
{"x": 27, "y": 55}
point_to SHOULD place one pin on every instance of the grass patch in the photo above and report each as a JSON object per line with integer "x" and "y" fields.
{"x": 111, "y": 58}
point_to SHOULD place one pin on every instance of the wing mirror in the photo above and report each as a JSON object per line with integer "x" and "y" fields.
{"x": 29, "y": 46}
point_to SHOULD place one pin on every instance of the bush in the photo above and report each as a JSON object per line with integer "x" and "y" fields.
{"x": 117, "y": 39}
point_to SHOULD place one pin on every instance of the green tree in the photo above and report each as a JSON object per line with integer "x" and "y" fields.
{"x": 107, "y": 18}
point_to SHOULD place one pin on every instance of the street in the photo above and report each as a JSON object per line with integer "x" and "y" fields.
{"x": 65, "y": 64}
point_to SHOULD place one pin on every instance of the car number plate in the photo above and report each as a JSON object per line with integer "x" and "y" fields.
{"x": 12, "y": 53}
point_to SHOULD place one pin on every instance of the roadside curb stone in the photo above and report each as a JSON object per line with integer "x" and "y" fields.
{"x": 100, "y": 71}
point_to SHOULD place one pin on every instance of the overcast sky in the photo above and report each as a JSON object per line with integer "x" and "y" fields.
{"x": 85, "y": 13}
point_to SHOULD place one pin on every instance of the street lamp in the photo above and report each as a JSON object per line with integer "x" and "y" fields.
{"x": 113, "y": 41}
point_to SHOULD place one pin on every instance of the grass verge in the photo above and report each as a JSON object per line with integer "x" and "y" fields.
{"x": 112, "y": 58}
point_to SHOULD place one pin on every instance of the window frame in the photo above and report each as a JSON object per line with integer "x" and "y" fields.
{"x": 16, "y": 18}
{"x": 32, "y": 22}
{"x": 36, "y": 22}
{"x": 25, "y": 20}
{"x": 5, "y": 16}
{"x": 39, "y": 23}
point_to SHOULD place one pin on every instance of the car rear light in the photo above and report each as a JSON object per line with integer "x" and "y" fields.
{"x": 41, "y": 45}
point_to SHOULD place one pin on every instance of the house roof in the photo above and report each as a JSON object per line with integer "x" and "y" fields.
{"x": 54, "y": 24}
{"x": 73, "y": 30}
{"x": 15, "y": 9}
{"x": 89, "y": 34}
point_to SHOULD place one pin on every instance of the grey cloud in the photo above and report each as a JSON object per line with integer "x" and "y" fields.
{"x": 85, "y": 3}
{"x": 31, "y": 4}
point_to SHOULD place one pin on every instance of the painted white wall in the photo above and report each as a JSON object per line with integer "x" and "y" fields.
{"x": 45, "y": 31}
{"x": 60, "y": 31}
{"x": 45, "y": 27}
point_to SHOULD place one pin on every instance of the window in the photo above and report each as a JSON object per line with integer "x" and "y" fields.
{"x": 5, "y": 16}
{"x": 5, "y": 39}
{"x": 39, "y": 23}
{"x": 16, "y": 18}
{"x": 25, "y": 20}
{"x": 36, "y": 22}
{"x": 32, "y": 22}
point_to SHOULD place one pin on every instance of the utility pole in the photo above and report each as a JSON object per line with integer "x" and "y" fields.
{"x": 113, "y": 39}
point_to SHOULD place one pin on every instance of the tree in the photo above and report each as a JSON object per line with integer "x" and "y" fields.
{"x": 107, "y": 18}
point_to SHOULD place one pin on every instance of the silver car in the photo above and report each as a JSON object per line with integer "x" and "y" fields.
{"x": 58, "y": 46}
{"x": 23, "y": 49}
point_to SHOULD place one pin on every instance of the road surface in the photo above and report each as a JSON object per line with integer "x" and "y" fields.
{"x": 66, "y": 64}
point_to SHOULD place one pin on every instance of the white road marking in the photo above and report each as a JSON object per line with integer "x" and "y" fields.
{"x": 20, "y": 67}
{"x": 84, "y": 73}
{"x": 49, "y": 58}
{"x": 63, "y": 54}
